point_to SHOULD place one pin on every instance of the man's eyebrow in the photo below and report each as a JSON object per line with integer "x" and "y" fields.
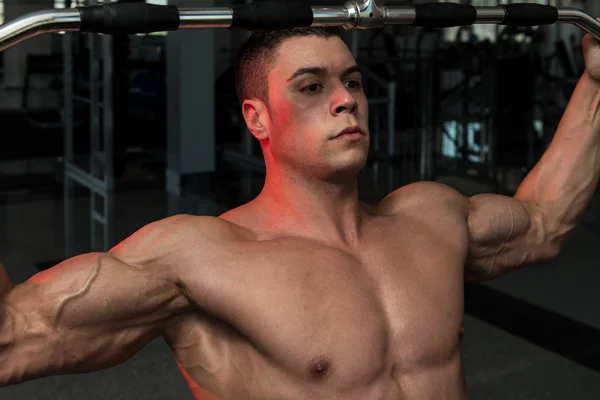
{"x": 307, "y": 70}
{"x": 320, "y": 71}
{"x": 351, "y": 70}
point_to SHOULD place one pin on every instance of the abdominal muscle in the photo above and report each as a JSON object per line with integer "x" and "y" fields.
{"x": 440, "y": 384}
{"x": 248, "y": 375}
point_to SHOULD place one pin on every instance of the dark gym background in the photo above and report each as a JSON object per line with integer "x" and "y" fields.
{"x": 470, "y": 107}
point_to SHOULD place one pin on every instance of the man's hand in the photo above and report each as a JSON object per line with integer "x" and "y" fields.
{"x": 96, "y": 310}
{"x": 591, "y": 55}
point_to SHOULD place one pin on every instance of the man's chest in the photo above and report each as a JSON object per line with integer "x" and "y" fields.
{"x": 318, "y": 311}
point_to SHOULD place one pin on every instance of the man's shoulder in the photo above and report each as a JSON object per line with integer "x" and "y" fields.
{"x": 424, "y": 195}
{"x": 185, "y": 228}
{"x": 175, "y": 236}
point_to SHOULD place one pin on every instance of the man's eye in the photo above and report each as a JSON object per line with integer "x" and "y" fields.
{"x": 353, "y": 85}
{"x": 314, "y": 88}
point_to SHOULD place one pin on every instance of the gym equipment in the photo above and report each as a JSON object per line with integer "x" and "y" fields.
{"x": 133, "y": 18}
{"x": 390, "y": 70}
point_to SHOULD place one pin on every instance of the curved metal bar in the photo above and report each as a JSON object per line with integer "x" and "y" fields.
{"x": 580, "y": 19}
{"x": 38, "y": 23}
{"x": 354, "y": 15}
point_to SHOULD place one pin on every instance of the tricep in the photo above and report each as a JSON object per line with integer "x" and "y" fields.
{"x": 87, "y": 313}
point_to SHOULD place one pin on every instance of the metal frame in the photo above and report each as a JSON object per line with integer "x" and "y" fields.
{"x": 99, "y": 179}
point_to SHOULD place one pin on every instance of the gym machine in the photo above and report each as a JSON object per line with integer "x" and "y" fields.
{"x": 137, "y": 18}
{"x": 134, "y": 18}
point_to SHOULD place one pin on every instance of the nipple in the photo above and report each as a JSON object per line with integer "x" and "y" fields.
{"x": 319, "y": 368}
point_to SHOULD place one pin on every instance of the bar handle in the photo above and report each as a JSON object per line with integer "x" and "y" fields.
{"x": 444, "y": 15}
{"x": 128, "y": 18}
{"x": 529, "y": 14}
{"x": 266, "y": 16}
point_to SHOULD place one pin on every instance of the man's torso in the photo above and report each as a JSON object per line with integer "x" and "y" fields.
{"x": 292, "y": 318}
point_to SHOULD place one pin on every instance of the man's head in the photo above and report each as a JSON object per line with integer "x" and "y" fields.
{"x": 299, "y": 89}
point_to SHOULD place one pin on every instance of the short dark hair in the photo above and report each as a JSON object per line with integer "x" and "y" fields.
{"x": 255, "y": 58}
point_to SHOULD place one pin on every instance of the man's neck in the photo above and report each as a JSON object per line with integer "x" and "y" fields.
{"x": 329, "y": 212}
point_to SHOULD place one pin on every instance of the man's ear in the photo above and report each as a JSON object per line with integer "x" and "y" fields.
{"x": 255, "y": 114}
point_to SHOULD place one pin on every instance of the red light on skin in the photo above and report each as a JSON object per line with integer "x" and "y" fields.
{"x": 197, "y": 391}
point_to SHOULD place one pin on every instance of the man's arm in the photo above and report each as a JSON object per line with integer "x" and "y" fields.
{"x": 507, "y": 232}
{"x": 93, "y": 311}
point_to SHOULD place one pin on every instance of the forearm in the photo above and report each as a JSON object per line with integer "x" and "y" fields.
{"x": 27, "y": 350}
{"x": 5, "y": 328}
{"x": 6, "y": 345}
{"x": 565, "y": 179}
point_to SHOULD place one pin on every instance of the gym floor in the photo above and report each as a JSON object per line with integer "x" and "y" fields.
{"x": 531, "y": 335}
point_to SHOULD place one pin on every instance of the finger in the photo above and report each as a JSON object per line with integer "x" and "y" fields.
{"x": 590, "y": 41}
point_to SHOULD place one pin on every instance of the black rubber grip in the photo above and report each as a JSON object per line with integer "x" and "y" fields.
{"x": 129, "y": 18}
{"x": 528, "y": 14}
{"x": 444, "y": 15}
{"x": 271, "y": 16}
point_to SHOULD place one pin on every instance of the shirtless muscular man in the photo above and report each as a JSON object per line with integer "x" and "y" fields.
{"x": 306, "y": 292}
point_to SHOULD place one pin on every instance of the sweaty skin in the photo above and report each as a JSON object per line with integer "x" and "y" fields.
{"x": 305, "y": 292}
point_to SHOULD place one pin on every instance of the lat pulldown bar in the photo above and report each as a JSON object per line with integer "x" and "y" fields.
{"x": 132, "y": 18}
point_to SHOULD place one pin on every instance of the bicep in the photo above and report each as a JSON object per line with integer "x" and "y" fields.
{"x": 505, "y": 233}
{"x": 87, "y": 313}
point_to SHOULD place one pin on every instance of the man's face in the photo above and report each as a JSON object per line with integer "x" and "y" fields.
{"x": 315, "y": 92}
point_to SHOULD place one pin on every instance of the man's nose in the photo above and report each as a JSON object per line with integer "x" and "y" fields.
{"x": 343, "y": 102}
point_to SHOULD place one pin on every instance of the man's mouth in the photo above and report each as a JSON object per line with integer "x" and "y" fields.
{"x": 351, "y": 132}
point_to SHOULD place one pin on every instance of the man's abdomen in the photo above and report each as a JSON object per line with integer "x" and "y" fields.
{"x": 445, "y": 382}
